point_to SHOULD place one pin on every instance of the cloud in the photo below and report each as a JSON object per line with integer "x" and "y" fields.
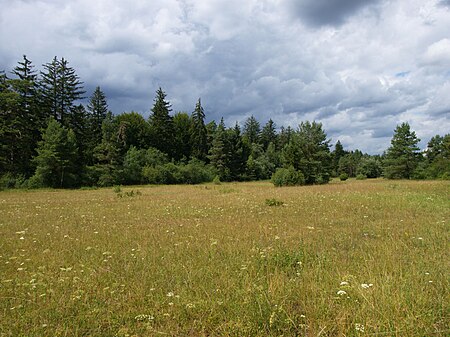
{"x": 328, "y": 12}
{"x": 360, "y": 67}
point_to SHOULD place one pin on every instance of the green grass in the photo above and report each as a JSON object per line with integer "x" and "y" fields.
{"x": 350, "y": 258}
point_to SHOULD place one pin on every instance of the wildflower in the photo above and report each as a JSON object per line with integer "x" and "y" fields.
{"x": 366, "y": 286}
{"x": 344, "y": 283}
{"x": 359, "y": 327}
{"x": 170, "y": 294}
{"x": 190, "y": 305}
{"x": 341, "y": 292}
{"x": 144, "y": 317}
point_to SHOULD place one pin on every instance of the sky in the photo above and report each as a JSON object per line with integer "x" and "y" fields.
{"x": 360, "y": 67}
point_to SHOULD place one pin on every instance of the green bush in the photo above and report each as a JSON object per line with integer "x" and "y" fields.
{"x": 361, "y": 177}
{"x": 343, "y": 176}
{"x": 287, "y": 177}
{"x": 8, "y": 180}
{"x": 274, "y": 202}
{"x": 216, "y": 180}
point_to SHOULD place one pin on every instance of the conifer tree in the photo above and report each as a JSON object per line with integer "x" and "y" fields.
{"x": 97, "y": 108}
{"x": 268, "y": 134}
{"x": 252, "y": 131}
{"x": 402, "y": 156}
{"x": 199, "y": 136}
{"x": 161, "y": 123}
{"x": 218, "y": 154}
{"x": 61, "y": 88}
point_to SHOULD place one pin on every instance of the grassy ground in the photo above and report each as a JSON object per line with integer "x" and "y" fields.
{"x": 355, "y": 258}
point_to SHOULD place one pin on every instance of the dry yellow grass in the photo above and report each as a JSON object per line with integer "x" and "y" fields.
{"x": 350, "y": 258}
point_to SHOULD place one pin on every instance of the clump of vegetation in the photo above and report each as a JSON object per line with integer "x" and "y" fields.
{"x": 120, "y": 194}
{"x": 216, "y": 180}
{"x": 343, "y": 176}
{"x": 287, "y": 177}
{"x": 361, "y": 177}
{"x": 274, "y": 202}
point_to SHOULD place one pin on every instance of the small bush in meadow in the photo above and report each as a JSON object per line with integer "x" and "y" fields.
{"x": 274, "y": 202}
{"x": 287, "y": 177}
{"x": 361, "y": 177}
{"x": 216, "y": 180}
{"x": 343, "y": 176}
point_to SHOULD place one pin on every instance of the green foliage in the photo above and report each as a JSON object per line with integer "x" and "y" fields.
{"x": 308, "y": 151}
{"x": 402, "y": 156}
{"x": 216, "y": 180}
{"x": 361, "y": 177}
{"x": 198, "y": 133}
{"x": 8, "y": 181}
{"x": 343, "y": 176}
{"x": 161, "y": 124}
{"x": 287, "y": 177}
{"x": 274, "y": 202}
{"x": 57, "y": 157}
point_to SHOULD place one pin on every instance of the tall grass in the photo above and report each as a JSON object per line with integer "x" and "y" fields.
{"x": 350, "y": 258}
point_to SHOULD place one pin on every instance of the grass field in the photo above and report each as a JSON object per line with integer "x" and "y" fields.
{"x": 354, "y": 258}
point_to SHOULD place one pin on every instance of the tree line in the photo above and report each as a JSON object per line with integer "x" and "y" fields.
{"x": 49, "y": 139}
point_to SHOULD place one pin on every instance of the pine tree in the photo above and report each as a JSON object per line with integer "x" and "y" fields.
{"x": 308, "y": 151}
{"x": 199, "y": 135}
{"x": 402, "y": 156}
{"x": 161, "y": 123}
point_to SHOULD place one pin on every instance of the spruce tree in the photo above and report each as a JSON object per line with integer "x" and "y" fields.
{"x": 61, "y": 88}
{"x": 402, "y": 156}
{"x": 252, "y": 131}
{"x": 161, "y": 123}
{"x": 182, "y": 137}
{"x": 218, "y": 154}
{"x": 97, "y": 108}
{"x": 199, "y": 135}
{"x": 268, "y": 134}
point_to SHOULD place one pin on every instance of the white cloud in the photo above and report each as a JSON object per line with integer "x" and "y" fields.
{"x": 359, "y": 69}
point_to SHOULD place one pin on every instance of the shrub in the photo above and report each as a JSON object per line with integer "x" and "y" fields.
{"x": 274, "y": 202}
{"x": 361, "y": 177}
{"x": 216, "y": 180}
{"x": 9, "y": 180}
{"x": 343, "y": 176}
{"x": 287, "y": 177}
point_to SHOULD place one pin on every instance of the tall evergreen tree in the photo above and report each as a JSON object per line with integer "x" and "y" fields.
{"x": 402, "y": 156}
{"x": 252, "y": 131}
{"x": 97, "y": 108}
{"x": 199, "y": 134}
{"x": 161, "y": 123}
{"x": 182, "y": 137}
{"x": 218, "y": 154}
{"x": 22, "y": 118}
{"x": 337, "y": 154}
{"x": 269, "y": 134}
{"x": 61, "y": 88}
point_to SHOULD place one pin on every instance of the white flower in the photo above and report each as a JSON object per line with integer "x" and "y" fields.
{"x": 170, "y": 294}
{"x": 344, "y": 283}
{"x": 366, "y": 286}
{"x": 341, "y": 292}
{"x": 359, "y": 327}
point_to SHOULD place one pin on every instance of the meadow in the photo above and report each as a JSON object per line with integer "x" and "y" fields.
{"x": 354, "y": 258}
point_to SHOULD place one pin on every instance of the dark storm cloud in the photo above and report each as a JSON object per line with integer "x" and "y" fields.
{"x": 328, "y": 12}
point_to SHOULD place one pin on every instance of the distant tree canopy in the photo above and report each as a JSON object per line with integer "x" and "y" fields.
{"x": 49, "y": 138}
